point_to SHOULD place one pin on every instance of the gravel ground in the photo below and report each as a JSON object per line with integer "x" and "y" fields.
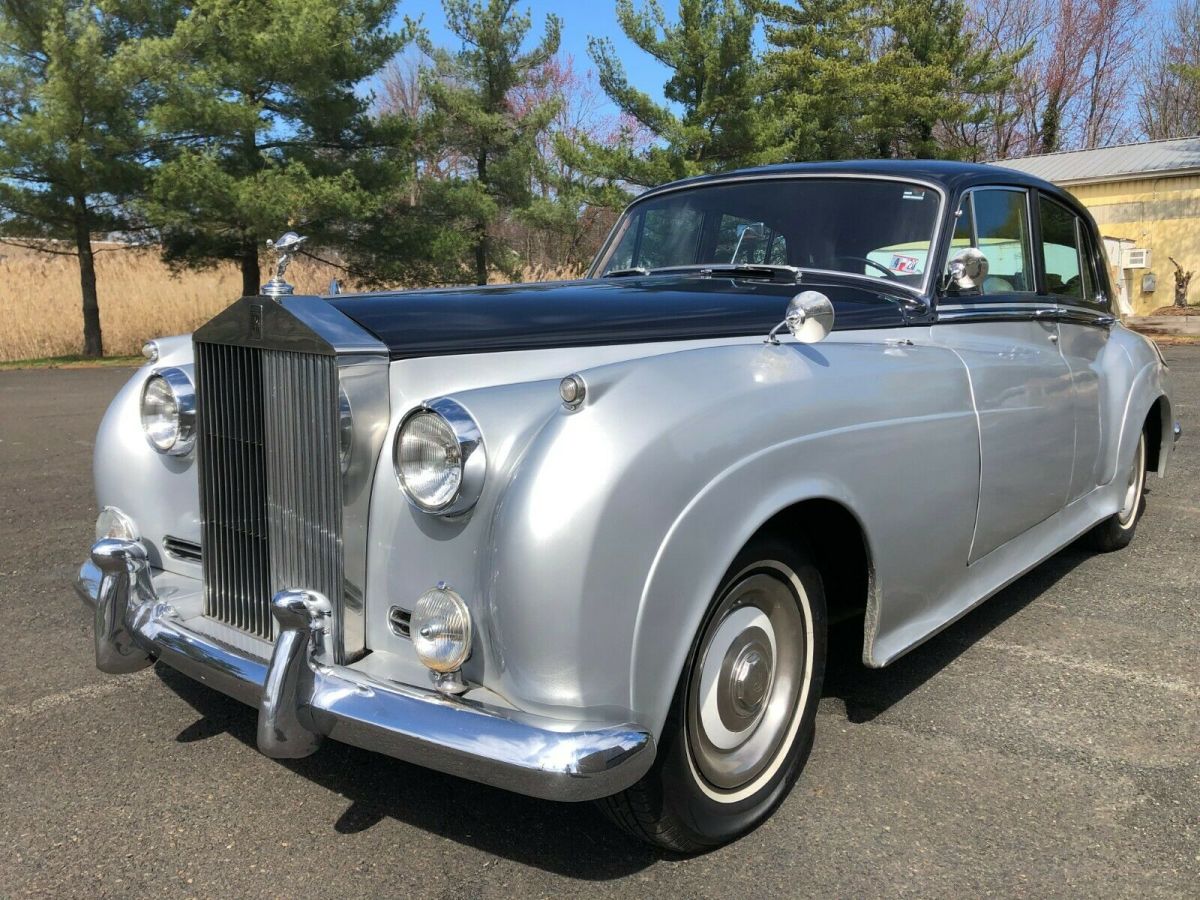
{"x": 1047, "y": 744}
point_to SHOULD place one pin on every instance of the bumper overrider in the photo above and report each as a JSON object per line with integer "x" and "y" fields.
{"x": 302, "y": 696}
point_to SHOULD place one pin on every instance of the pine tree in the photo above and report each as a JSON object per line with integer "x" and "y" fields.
{"x": 709, "y": 50}
{"x": 473, "y": 116}
{"x": 71, "y": 149}
{"x": 818, "y": 77}
{"x": 261, "y": 127}
{"x": 929, "y": 71}
{"x": 847, "y": 78}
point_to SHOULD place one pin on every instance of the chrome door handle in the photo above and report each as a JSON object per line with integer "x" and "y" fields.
{"x": 1054, "y": 338}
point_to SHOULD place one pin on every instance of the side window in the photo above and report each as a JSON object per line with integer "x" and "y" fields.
{"x": 1068, "y": 253}
{"x": 1061, "y": 251}
{"x": 1001, "y": 231}
{"x": 1091, "y": 289}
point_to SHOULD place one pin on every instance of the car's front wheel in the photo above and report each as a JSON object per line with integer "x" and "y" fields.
{"x": 742, "y": 721}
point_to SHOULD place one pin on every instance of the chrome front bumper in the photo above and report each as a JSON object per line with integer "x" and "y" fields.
{"x": 302, "y": 697}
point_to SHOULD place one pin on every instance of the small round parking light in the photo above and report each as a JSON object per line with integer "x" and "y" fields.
{"x": 573, "y": 391}
{"x": 441, "y": 629}
{"x": 114, "y": 524}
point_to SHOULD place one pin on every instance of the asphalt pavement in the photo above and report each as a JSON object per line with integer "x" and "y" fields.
{"x": 1047, "y": 744}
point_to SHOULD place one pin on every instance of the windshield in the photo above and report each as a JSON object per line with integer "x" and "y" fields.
{"x": 875, "y": 228}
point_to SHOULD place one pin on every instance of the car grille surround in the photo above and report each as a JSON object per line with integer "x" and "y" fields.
{"x": 269, "y": 478}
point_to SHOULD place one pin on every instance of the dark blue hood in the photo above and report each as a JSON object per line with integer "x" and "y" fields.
{"x": 604, "y": 311}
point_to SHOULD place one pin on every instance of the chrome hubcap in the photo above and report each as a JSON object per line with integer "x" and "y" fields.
{"x": 749, "y": 678}
{"x": 1137, "y": 481}
{"x": 743, "y": 698}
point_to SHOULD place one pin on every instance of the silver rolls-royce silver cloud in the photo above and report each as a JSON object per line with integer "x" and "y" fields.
{"x": 583, "y": 540}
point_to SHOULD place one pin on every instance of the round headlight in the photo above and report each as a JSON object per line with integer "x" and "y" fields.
{"x": 440, "y": 459}
{"x": 440, "y": 629}
{"x": 169, "y": 411}
{"x": 112, "y": 523}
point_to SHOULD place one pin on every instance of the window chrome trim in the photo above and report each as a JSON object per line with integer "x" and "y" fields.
{"x": 1042, "y": 310}
{"x": 997, "y": 312}
{"x": 1081, "y": 315}
{"x": 934, "y": 241}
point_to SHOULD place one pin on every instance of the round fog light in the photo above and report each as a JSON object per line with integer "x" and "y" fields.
{"x": 440, "y": 629}
{"x": 112, "y": 523}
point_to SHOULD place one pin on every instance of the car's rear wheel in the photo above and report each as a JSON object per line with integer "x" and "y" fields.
{"x": 1117, "y": 530}
{"x": 742, "y": 720}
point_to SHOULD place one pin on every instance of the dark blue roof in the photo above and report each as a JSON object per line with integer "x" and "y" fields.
{"x": 951, "y": 175}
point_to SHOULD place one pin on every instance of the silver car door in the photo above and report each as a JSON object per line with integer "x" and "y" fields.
{"x": 1071, "y": 279}
{"x": 1008, "y": 338}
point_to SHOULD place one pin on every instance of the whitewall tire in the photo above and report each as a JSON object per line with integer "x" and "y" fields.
{"x": 742, "y": 720}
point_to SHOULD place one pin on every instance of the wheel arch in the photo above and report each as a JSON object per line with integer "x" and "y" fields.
{"x": 1159, "y": 429}
{"x": 822, "y": 521}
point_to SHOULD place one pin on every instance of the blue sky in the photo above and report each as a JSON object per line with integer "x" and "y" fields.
{"x": 580, "y": 20}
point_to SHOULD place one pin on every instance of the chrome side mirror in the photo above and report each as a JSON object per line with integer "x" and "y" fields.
{"x": 809, "y": 318}
{"x": 968, "y": 269}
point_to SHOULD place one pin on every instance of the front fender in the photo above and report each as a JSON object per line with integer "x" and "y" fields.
{"x": 158, "y": 491}
{"x": 621, "y": 517}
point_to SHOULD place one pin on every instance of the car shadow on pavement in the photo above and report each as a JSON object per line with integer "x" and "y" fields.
{"x": 868, "y": 692}
{"x": 570, "y": 839}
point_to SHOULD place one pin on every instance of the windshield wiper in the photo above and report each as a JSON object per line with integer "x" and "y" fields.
{"x": 735, "y": 270}
{"x": 625, "y": 273}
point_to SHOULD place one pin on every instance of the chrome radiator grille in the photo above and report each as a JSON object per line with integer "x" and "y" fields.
{"x": 270, "y": 485}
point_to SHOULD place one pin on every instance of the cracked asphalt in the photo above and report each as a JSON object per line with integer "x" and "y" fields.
{"x": 1047, "y": 744}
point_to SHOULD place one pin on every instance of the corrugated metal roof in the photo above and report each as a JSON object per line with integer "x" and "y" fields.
{"x": 1112, "y": 163}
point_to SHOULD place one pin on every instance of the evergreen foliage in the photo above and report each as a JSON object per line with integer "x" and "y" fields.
{"x": 472, "y": 115}
{"x": 847, "y": 78}
{"x": 709, "y": 122}
{"x": 260, "y": 128}
{"x": 72, "y": 151}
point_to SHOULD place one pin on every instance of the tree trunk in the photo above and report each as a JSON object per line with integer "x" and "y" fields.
{"x": 93, "y": 340}
{"x": 481, "y": 260}
{"x": 1182, "y": 280}
{"x": 251, "y": 284}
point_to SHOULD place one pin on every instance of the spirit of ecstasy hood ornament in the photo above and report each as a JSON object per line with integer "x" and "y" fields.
{"x": 284, "y": 249}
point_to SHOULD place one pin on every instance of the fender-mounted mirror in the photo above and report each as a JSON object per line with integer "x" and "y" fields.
{"x": 809, "y": 318}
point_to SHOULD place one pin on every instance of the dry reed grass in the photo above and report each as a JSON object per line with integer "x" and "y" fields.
{"x": 140, "y": 298}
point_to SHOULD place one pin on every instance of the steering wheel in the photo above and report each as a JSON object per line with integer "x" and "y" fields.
{"x": 888, "y": 273}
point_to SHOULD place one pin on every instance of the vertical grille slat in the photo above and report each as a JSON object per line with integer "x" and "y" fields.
{"x": 270, "y": 482}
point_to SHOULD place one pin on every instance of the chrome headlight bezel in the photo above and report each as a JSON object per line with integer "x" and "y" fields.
{"x": 184, "y": 393}
{"x": 471, "y": 453}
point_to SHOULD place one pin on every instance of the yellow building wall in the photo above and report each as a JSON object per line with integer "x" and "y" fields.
{"x": 1161, "y": 215}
